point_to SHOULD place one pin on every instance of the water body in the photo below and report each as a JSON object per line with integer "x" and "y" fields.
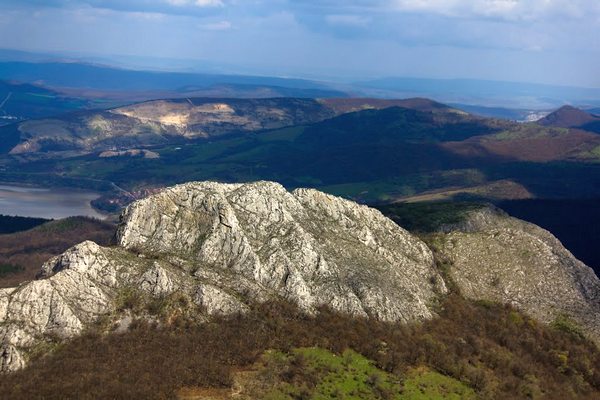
{"x": 46, "y": 203}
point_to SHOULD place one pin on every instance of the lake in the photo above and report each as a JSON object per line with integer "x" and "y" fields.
{"x": 38, "y": 202}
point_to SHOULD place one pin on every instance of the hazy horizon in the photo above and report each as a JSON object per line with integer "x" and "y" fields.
{"x": 551, "y": 42}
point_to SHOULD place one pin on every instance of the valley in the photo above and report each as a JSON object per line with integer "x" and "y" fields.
{"x": 373, "y": 151}
{"x": 299, "y": 200}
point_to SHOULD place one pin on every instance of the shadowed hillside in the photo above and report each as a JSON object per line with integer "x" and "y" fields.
{"x": 369, "y": 155}
{"x": 22, "y": 101}
{"x": 22, "y": 253}
{"x": 12, "y": 224}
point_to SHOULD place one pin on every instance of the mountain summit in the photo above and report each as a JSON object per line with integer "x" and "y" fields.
{"x": 569, "y": 117}
{"x": 222, "y": 246}
{"x": 215, "y": 249}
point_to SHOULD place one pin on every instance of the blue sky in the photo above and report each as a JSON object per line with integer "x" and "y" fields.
{"x": 545, "y": 41}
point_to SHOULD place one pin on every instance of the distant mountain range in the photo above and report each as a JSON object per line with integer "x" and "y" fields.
{"x": 565, "y": 134}
{"x": 89, "y": 78}
{"x": 161, "y": 122}
{"x": 492, "y": 94}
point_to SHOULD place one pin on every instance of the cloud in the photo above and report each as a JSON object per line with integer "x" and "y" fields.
{"x": 507, "y": 9}
{"x": 357, "y": 11}
{"x": 497, "y": 39}
{"x": 501, "y": 9}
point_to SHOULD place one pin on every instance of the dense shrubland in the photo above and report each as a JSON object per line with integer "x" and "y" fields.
{"x": 494, "y": 349}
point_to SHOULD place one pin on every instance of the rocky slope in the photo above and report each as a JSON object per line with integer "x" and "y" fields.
{"x": 213, "y": 249}
{"x": 162, "y": 121}
{"x": 220, "y": 247}
{"x": 493, "y": 256}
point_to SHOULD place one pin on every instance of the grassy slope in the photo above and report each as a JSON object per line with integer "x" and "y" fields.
{"x": 317, "y": 373}
{"x": 22, "y": 253}
{"x": 530, "y": 142}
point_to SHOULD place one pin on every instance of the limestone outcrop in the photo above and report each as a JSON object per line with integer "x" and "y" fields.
{"x": 204, "y": 249}
{"x": 224, "y": 246}
{"x": 500, "y": 258}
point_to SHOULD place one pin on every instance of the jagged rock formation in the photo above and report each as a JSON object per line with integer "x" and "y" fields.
{"x": 496, "y": 257}
{"x": 223, "y": 246}
{"x": 217, "y": 248}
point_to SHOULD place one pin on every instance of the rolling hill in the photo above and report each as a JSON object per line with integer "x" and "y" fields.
{"x": 160, "y": 122}
{"x": 530, "y": 142}
{"x": 19, "y": 102}
{"x": 571, "y": 117}
{"x": 379, "y": 153}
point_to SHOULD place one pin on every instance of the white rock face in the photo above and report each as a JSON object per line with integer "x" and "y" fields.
{"x": 219, "y": 247}
{"x": 306, "y": 246}
{"x": 500, "y": 258}
{"x": 224, "y": 246}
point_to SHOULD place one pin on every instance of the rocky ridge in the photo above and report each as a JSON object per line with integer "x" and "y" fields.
{"x": 223, "y": 246}
{"x": 495, "y": 257}
{"x": 215, "y": 249}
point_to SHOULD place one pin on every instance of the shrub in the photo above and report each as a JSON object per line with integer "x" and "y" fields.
{"x": 479, "y": 344}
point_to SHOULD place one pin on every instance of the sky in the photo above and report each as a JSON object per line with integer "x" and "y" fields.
{"x": 539, "y": 41}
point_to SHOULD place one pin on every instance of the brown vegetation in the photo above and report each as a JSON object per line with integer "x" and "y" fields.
{"x": 568, "y": 117}
{"x": 346, "y": 105}
{"x": 495, "y": 349}
{"x": 531, "y": 143}
{"x": 23, "y": 253}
